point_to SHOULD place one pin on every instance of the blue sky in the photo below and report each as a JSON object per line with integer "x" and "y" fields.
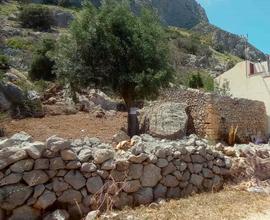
{"x": 250, "y": 17}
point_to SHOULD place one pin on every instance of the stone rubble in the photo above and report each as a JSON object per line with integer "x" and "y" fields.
{"x": 36, "y": 176}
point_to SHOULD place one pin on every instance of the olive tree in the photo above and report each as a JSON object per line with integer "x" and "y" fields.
{"x": 111, "y": 46}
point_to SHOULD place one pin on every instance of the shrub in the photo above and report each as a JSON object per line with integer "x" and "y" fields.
{"x": 4, "y": 62}
{"x": 41, "y": 68}
{"x": 36, "y": 16}
{"x": 42, "y": 65}
{"x": 19, "y": 43}
{"x": 196, "y": 81}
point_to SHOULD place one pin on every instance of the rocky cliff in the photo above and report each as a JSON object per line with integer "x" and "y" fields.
{"x": 224, "y": 41}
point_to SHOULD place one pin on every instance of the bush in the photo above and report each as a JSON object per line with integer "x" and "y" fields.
{"x": 19, "y": 43}
{"x": 42, "y": 65}
{"x": 36, "y": 16}
{"x": 4, "y": 62}
{"x": 41, "y": 68}
{"x": 196, "y": 81}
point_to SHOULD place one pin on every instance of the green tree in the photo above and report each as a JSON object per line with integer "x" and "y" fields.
{"x": 112, "y": 47}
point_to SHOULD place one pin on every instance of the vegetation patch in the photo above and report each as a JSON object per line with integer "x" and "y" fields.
{"x": 36, "y": 16}
{"x": 21, "y": 43}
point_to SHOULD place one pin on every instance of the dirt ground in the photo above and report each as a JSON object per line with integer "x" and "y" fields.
{"x": 67, "y": 126}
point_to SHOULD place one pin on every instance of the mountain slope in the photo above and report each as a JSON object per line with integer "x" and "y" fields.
{"x": 224, "y": 41}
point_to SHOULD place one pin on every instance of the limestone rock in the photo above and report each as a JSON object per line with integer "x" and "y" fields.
{"x": 131, "y": 186}
{"x": 138, "y": 158}
{"x": 75, "y": 179}
{"x": 42, "y": 164}
{"x": 73, "y": 165}
{"x": 68, "y": 155}
{"x": 22, "y": 166}
{"x": 25, "y": 213}
{"x": 21, "y": 137}
{"x": 35, "y": 150}
{"x": 59, "y": 214}
{"x": 151, "y": 175}
{"x": 11, "y": 179}
{"x": 57, "y": 163}
{"x": 70, "y": 196}
{"x": 174, "y": 193}
{"x": 12, "y": 196}
{"x": 169, "y": 181}
{"x": 57, "y": 144}
{"x": 160, "y": 191}
{"x": 45, "y": 200}
{"x": 143, "y": 196}
{"x": 85, "y": 154}
{"x": 88, "y": 167}
{"x": 38, "y": 190}
{"x": 94, "y": 184}
{"x": 101, "y": 155}
{"x": 164, "y": 120}
{"x": 135, "y": 171}
{"x": 11, "y": 155}
{"x": 108, "y": 165}
{"x": 162, "y": 163}
{"x": 59, "y": 184}
{"x": 35, "y": 177}
{"x": 196, "y": 179}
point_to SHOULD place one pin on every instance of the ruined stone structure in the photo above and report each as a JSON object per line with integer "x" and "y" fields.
{"x": 78, "y": 176}
{"x": 211, "y": 116}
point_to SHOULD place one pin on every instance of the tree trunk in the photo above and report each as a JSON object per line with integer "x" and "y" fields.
{"x": 133, "y": 123}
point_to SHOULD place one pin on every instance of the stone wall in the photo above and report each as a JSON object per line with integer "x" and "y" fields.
{"x": 82, "y": 175}
{"x": 211, "y": 116}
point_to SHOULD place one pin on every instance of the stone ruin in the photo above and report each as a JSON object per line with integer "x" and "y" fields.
{"x": 71, "y": 178}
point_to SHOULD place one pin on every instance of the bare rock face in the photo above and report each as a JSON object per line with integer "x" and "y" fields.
{"x": 164, "y": 120}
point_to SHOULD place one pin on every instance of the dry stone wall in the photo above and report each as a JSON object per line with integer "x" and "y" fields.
{"x": 78, "y": 176}
{"x": 211, "y": 116}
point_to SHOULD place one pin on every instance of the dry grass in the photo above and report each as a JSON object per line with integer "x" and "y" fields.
{"x": 225, "y": 205}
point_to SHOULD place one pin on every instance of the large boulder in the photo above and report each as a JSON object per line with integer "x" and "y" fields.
{"x": 21, "y": 104}
{"x": 100, "y": 98}
{"x": 164, "y": 120}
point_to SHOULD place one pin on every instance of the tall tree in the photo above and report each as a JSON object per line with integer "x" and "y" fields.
{"x": 113, "y": 47}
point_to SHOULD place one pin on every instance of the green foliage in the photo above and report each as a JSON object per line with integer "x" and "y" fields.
{"x": 7, "y": 9}
{"x": 195, "y": 81}
{"x": 208, "y": 82}
{"x": 112, "y": 47}
{"x": 42, "y": 65}
{"x": 19, "y": 43}
{"x": 36, "y": 17}
{"x": 4, "y": 62}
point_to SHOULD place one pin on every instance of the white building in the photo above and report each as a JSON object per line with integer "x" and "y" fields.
{"x": 249, "y": 80}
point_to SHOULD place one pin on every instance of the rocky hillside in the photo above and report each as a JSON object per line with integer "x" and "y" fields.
{"x": 224, "y": 41}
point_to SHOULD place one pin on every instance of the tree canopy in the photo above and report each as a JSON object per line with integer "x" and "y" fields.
{"x": 112, "y": 47}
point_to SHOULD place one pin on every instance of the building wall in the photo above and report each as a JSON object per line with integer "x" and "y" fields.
{"x": 242, "y": 85}
{"x": 211, "y": 116}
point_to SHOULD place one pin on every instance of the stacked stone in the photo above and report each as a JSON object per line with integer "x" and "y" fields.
{"x": 212, "y": 115}
{"x": 36, "y": 176}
